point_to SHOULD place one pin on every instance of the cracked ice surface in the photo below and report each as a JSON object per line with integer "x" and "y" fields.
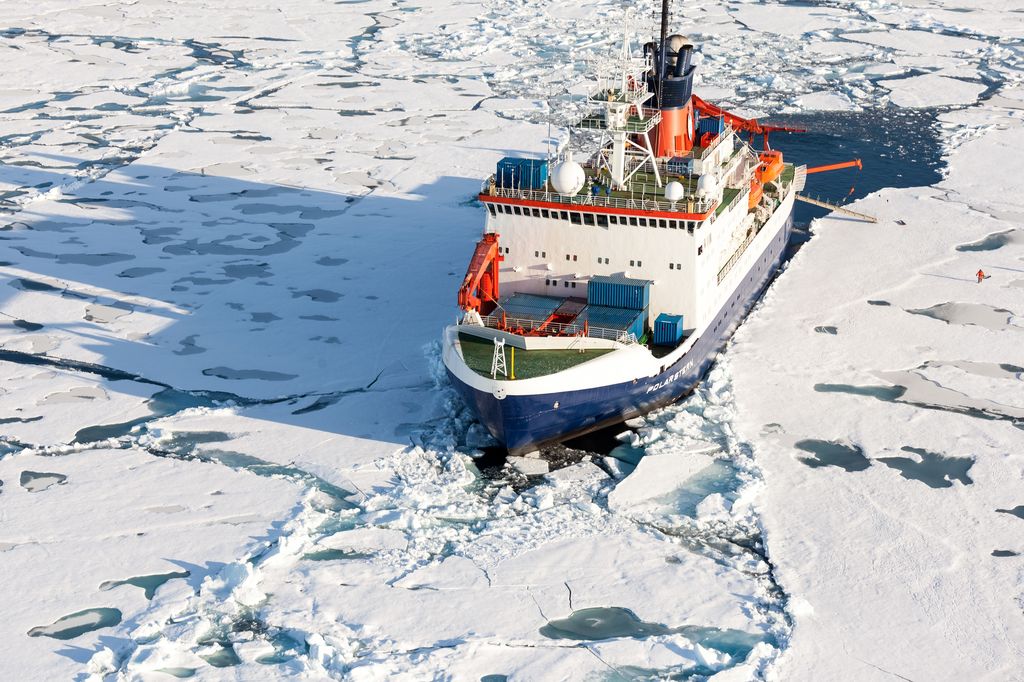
{"x": 228, "y": 237}
{"x": 893, "y": 577}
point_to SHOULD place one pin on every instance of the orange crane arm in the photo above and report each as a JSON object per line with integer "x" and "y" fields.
{"x": 836, "y": 166}
{"x": 480, "y": 284}
{"x": 749, "y": 125}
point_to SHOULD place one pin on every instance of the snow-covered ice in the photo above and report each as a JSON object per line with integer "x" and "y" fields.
{"x": 230, "y": 241}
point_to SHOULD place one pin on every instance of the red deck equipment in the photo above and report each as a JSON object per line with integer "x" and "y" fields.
{"x": 836, "y": 166}
{"x": 479, "y": 290}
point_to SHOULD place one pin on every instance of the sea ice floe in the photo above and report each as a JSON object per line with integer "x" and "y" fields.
{"x": 932, "y": 90}
{"x": 656, "y": 476}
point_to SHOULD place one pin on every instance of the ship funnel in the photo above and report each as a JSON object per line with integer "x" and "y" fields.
{"x": 683, "y": 55}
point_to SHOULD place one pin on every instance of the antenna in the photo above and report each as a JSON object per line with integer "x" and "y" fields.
{"x": 662, "y": 48}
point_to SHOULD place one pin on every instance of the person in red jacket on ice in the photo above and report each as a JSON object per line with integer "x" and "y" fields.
{"x": 981, "y": 275}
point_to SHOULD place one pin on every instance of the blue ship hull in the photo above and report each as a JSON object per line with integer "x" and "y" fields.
{"x": 523, "y": 423}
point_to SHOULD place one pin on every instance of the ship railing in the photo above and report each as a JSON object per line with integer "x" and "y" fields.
{"x": 634, "y": 124}
{"x": 736, "y": 256}
{"x": 515, "y": 324}
{"x": 642, "y": 203}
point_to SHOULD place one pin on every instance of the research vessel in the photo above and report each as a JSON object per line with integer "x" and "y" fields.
{"x": 602, "y": 289}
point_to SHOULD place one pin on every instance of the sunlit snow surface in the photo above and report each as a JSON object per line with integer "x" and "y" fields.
{"x": 231, "y": 239}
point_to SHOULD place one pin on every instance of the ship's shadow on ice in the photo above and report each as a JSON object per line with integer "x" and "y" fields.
{"x": 267, "y": 293}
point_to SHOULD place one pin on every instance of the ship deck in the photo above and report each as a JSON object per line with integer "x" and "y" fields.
{"x": 479, "y": 352}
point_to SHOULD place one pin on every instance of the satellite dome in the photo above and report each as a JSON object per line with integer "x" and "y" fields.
{"x": 568, "y": 177}
{"x": 677, "y": 42}
{"x": 674, "y": 191}
{"x": 707, "y": 185}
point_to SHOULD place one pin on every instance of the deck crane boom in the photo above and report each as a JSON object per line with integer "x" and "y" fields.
{"x": 480, "y": 286}
{"x": 836, "y": 166}
{"x": 749, "y": 125}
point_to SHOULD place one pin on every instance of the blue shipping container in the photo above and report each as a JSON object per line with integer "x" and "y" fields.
{"x": 619, "y": 292}
{"x": 517, "y": 173}
{"x": 715, "y": 126}
{"x": 507, "y": 174}
{"x": 618, "y": 319}
{"x": 680, "y": 165}
{"x": 668, "y": 330}
{"x": 534, "y": 173}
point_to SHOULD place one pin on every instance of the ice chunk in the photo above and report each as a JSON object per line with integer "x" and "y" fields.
{"x": 654, "y": 476}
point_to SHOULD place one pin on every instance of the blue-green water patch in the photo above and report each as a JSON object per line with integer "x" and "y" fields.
{"x": 601, "y": 623}
{"x": 933, "y": 469}
{"x": 223, "y": 656}
{"x": 38, "y": 481}
{"x": 1017, "y": 511}
{"x": 334, "y": 555}
{"x": 611, "y": 622}
{"x": 286, "y": 648}
{"x": 883, "y": 393}
{"x": 718, "y": 477}
{"x": 830, "y": 453}
{"x": 78, "y": 623}
{"x": 149, "y": 583}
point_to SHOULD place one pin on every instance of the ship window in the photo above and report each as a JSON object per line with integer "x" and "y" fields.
{"x": 614, "y": 220}
{"x": 536, "y": 254}
{"x": 506, "y": 250}
{"x": 490, "y": 209}
{"x": 679, "y": 266}
{"x": 574, "y": 257}
{"x": 574, "y": 218}
{"x": 543, "y": 254}
{"x": 602, "y": 221}
{"x": 588, "y": 218}
{"x": 565, "y": 215}
{"x": 606, "y": 261}
{"x": 700, "y": 250}
{"x": 639, "y": 263}
{"x": 671, "y": 266}
{"x": 643, "y": 222}
{"x": 516, "y": 210}
{"x": 662, "y": 222}
{"x": 632, "y": 263}
{"x": 566, "y": 256}
{"x": 632, "y": 221}
{"x": 574, "y": 285}
{"x": 566, "y": 284}
{"x": 544, "y": 213}
{"x": 547, "y": 282}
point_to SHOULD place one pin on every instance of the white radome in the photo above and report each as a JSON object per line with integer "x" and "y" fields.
{"x": 568, "y": 177}
{"x": 707, "y": 185}
{"x": 674, "y": 191}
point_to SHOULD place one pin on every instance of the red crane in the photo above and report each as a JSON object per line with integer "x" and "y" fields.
{"x": 479, "y": 290}
{"x": 836, "y": 166}
{"x": 749, "y": 125}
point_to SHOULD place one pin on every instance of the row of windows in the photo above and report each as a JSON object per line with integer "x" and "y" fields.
{"x": 554, "y": 283}
{"x": 598, "y": 219}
